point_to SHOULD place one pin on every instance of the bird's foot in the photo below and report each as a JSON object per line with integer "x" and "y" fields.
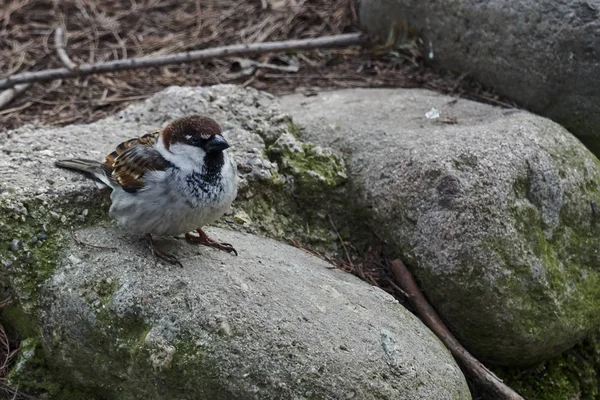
{"x": 171, "y": 259}
{"x": 203, "y": 239}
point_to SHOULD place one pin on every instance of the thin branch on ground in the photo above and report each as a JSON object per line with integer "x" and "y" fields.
{"x": 60, "y": 42}
{"x": 429, "y": 316}
{"x": 10, "y": 94}
{"x": 9, "y": 348}
{"x": 111, "y": 30}
{"x": 6, "y": 351}
{"x": 238, "y": 50}
{"x": 82, "y": 243}
{"x": 14, "y": 394}
{"x": 16, "y": 109}
{"x": 5, "y": 302}
{"x": 348, "y": 258}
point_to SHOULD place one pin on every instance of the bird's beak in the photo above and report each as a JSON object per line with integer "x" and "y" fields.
{"x": 217, "y": 144}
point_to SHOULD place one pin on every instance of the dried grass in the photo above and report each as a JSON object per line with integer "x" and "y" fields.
{"x": 9, "y": 348}
{"x": 117, "y": 29}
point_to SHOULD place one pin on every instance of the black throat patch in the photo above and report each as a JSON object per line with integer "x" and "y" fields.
{"x": 213, "y": 164}
{"x": 207, "y": 184}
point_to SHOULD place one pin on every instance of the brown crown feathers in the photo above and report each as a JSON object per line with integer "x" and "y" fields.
{"x": 188, "y": 129}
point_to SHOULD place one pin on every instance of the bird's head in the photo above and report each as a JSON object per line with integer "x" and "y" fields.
{"x": 194, "y": 131}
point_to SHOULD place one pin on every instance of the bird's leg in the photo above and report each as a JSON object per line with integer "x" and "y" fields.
{"x": 206, "y": 241}
{"x": 161, "y": 254}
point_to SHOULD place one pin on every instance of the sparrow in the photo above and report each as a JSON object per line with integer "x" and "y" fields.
{"x": 168, "y": 182}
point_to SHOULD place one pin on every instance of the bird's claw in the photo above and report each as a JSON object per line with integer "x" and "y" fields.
{"x": 203, "y": 239}
{"x": 226, "y": 247}
{"x": 171, "y": 259}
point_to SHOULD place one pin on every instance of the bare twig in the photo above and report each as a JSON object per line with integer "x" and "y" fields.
{"x": 313, "y": 252}
{"x": 341, "y": 241}
{"x": 82, "y": 243}
{"x": 429, "y": 316}
{"x": 60, "y": 43}
{"x": 15, "y": 109}
{"x": 336, "y": 41}
{"x": 10, "y": 94}
{"x": 6, "y": 302}
{"x": 14, "y": 392}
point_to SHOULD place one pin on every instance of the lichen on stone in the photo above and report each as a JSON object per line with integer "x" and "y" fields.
{"x": 572, "y": 375}
{"x": 286, "y": 190}
{"x": 312, "y": 167}
{"x": 32, "y": 374}
{"x": 32, "y": 234}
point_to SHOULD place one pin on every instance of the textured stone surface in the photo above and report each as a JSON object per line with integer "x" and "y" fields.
{"x": 274, "y": 322}
{"x": 543, "y": 54}
{"x": 491, "y": 208}
{"x": 109, "y": 322}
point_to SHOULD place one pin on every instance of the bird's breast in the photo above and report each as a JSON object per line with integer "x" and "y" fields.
{"x": 201, "y": 188}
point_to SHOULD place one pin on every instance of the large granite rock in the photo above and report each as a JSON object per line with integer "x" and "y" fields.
{"x": 100, "y": 318}
{"x": 542, "y": 54}
{"x": 273, "y": 323}
{"x": 492, "y": 209}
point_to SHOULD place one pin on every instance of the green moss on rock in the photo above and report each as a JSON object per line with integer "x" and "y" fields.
{"x": 32, "y": 235}
{"x": 314, "y": 168}
{"x": 31, "y": 239}
{"x": 276, "y": 211}
{"x": 125, "y": 359}
{"x": 32, "y": 375}
{"x": 24, "y": 323}
{"x": 128, "y": 364}
{"x": 294, "y": 129}
{"x": 573, "y": 375}
{"x": 294, "y": 202}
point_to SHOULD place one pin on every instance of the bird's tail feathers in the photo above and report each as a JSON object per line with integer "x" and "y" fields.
{"x": 90, "y": 168}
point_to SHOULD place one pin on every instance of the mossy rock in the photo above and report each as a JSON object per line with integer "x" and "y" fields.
{"x": 572, "y": 375}
{"x": 495, "y": 211}
{"x": 99, "y": 318}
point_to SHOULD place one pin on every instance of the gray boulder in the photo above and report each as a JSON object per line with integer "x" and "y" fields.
{"x": 492, "y": 209}
{"x": 272, "y": 323}
{"x": 99, "y": 317}
{"x": 542, "y": 54}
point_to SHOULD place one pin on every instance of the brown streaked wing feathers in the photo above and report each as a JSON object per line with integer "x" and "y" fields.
{"x": 127, "y": 164}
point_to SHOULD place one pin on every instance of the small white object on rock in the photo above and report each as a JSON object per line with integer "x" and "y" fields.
{"x": 432, "y": 114}
{"x": 47, "y": 153}
{"x": 74, "y": 259}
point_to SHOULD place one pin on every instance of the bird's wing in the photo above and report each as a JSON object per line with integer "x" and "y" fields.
{"x": 127, "y": 165}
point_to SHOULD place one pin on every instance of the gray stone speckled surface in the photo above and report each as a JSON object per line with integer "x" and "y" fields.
{"x": 274, "y": 322}
{"x": 543, "y": 54}
{"x": 490, "y": 207}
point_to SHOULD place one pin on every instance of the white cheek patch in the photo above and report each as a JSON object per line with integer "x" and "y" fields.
{"x": 205, "y": 136}
{"x": 188, "y": 137}
{"x": 184, "y": 156}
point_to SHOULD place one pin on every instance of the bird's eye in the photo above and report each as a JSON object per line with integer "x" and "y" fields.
{"x": 205, "y": 136}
